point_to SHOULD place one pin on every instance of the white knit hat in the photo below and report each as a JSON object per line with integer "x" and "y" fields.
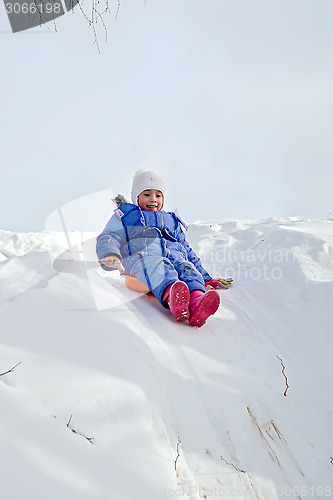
{"x": 145, "y": 179}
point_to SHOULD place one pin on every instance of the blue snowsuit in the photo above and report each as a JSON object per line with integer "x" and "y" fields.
{"x": 153, "y": 248}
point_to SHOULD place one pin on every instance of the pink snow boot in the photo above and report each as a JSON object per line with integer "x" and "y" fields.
{"x": 203, "y": 305}
{"x": 177, "y": 295}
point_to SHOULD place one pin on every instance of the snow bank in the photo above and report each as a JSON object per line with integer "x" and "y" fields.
{"x": 120, "y": 401}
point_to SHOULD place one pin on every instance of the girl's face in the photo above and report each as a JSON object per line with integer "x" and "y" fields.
{"x": 151, "y": 199}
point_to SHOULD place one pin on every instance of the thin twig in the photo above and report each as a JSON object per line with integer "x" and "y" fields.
{"x": 234, "y": 466}
{"x": 95, "y": 16}
{"x": 283, "y": 369}
{"x": 178, "y": 443}
{"x": 118, "y": 8}
{"x": 11, "y": 370}
{"x": 90, "y": 439}
{"x": 103, "y": 23}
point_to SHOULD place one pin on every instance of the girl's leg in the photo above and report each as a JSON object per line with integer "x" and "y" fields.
{"x": 188, "y": 273}
{"x": 157, "y": 273}
{"x": 162, "y": 279}
{"x": 202, "y": 303}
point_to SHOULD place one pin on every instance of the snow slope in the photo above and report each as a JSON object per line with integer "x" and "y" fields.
{"x": 113, "y": 399}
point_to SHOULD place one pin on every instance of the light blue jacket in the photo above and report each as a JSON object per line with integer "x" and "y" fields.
{"x": 144, "y": 240}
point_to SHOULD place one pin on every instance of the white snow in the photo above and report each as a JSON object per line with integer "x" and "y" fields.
{"x": 155, "y": 404}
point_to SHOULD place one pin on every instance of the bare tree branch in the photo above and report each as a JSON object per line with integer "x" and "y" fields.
{"x": 11, "y": 370}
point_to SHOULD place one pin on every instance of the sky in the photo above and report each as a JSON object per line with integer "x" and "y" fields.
{"x": 230, "y": 101}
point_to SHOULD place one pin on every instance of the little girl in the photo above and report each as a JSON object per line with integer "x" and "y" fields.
{"x": 148, "y": 243}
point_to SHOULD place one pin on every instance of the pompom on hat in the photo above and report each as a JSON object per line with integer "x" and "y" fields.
{"x": 146, "y": 179}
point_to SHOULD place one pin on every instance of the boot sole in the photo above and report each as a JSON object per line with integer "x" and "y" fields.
{"x": 207, "y": 306}
{"x": 179, "y": 300}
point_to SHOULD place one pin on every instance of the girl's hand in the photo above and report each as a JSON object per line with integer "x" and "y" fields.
{"x": 224, "y": 283}
{"x": 113, "y": 263}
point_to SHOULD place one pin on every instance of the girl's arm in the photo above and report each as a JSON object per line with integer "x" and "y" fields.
{"x": 111, "y": 239}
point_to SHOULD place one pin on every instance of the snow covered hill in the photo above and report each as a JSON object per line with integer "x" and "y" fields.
{"x": 114, "y": 399}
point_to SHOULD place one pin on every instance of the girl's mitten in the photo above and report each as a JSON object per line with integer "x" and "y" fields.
{"x": 224, "y": 283}
{"x": 112, "y": 262}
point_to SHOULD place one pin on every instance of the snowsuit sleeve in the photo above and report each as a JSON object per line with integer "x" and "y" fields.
{"x": 111, "y": 239}
{"x": 192, "y": 256}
